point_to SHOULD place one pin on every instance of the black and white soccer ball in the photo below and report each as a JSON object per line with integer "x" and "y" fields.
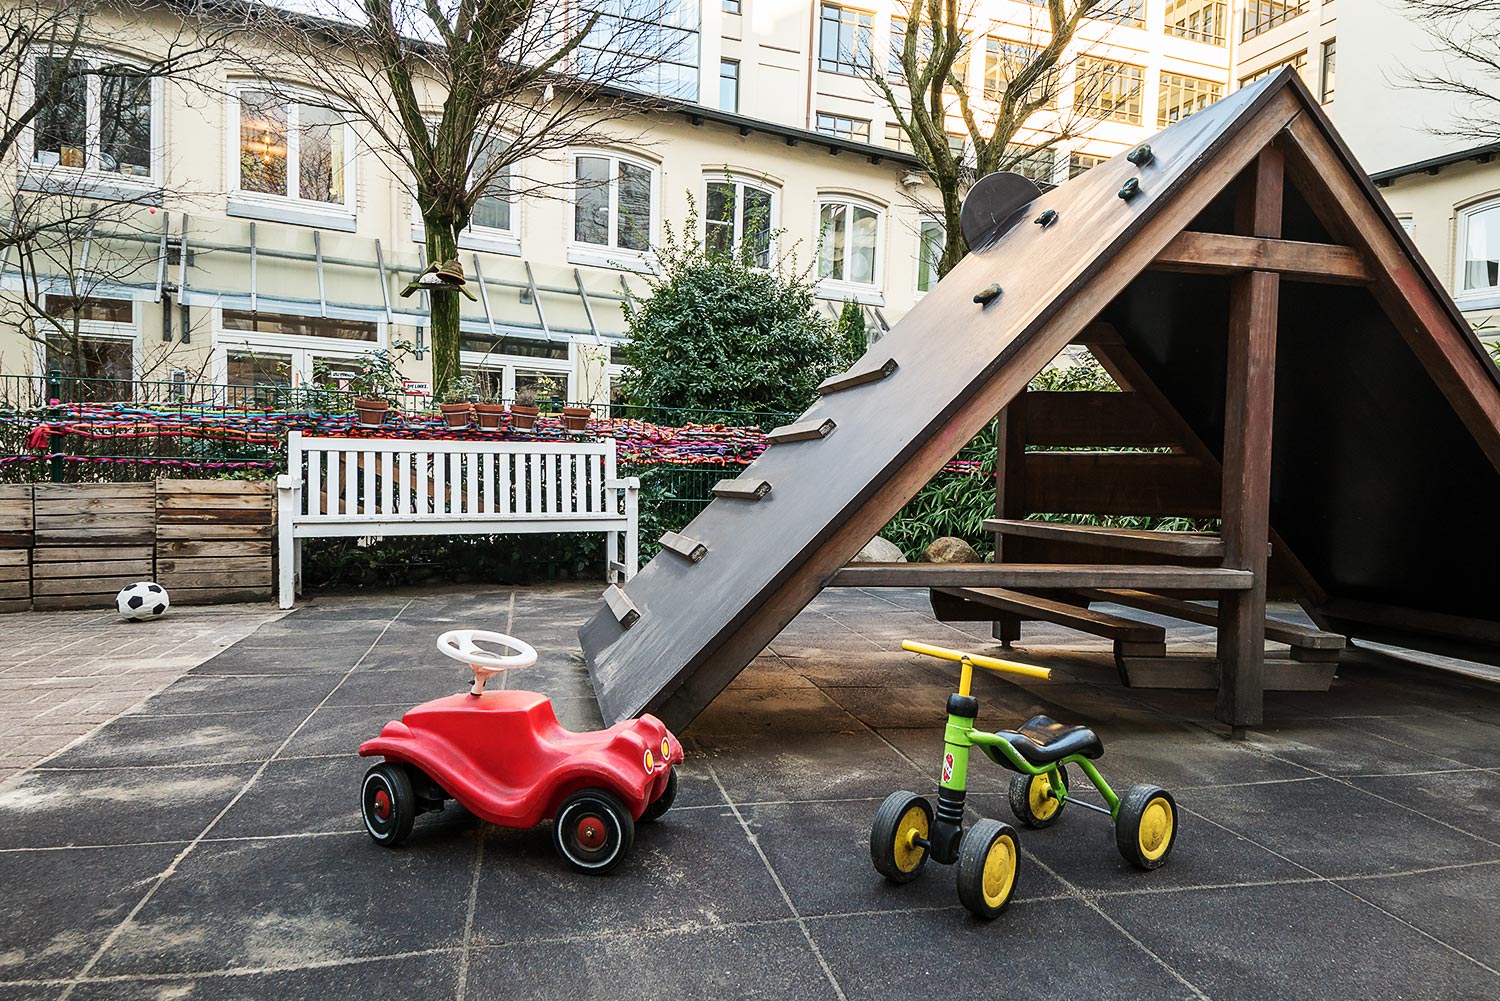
{"x": 142, "y": 600}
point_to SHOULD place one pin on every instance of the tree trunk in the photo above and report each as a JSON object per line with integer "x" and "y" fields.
{"x": 954, "y": 247}
{"x": 443, "y": 330}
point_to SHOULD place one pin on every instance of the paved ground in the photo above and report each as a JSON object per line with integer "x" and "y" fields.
{"x": 62, "y": 674}
{"x": 207, "y": 845}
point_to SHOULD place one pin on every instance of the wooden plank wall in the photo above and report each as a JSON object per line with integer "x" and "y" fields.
{"x": 214, "y": 539}
{"x": 73, "y": 545}
{"x": 91, "y": 540}
{"x": 16, "y": 539}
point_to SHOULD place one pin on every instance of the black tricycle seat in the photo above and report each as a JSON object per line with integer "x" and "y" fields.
{"x": 1042, "y": 740}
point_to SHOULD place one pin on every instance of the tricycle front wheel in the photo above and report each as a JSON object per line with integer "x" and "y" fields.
{"x": 593, "y": 831}
{"x": 988, "y": 857}
{"x": 902, "y": 820}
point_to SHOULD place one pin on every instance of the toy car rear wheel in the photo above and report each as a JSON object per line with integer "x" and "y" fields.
{"x": 1146, "y": 828}
{"x": 387, "y": 803}
{"x": 593, "y": 831}
{"x": 662, "y": 803}
{"x": 902, "y": 819}
{"x": 988, "y": 858}
{"x": 1032, "y": 798}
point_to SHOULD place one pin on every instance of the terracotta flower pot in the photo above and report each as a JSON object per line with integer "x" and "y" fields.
{"x": 371, "y": 413}
{"x": 523, "y": 417}
{"x": 576, "y": 418}
{"x": 491, "y": 415}
{"x": 456, "y": 414}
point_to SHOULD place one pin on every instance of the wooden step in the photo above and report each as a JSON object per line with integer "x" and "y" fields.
{"x": 1191, "y": 545}
{"x": 1303, "y": 637}
{"x": 1033, "y": 608}
{"x": 1203, "y": 673}
{"x": 1041, "y": 576}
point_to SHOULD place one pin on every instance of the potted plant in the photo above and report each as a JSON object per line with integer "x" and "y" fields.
{"x": 376, "y": 383}
{"x": 576, "y": 418}
{"x": 524, "y": 410}
{"x": 457, "y": 403}
{"x": 491, "y": 414}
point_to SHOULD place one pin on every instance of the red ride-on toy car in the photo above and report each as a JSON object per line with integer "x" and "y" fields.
{"x": 506, "y": 759}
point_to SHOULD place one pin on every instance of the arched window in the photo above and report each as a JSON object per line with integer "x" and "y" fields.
{"x": 739, "y": 215}
{"x": 1479, "y": 250}
{"x": 849, "y": 234}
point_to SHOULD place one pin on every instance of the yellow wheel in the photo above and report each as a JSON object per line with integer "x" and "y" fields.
{"x": 1147, "y": 826}
{"x": 898, "y": 838}
{"x": 988, "y": 857}
{"x": 1033, "y": 798}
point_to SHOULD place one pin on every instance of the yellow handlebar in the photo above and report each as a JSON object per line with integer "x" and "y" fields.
{"x": 976, "y": 660}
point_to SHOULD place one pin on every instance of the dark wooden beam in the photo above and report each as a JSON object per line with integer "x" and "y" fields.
{"x": 1249, "y": 393}
{"x": 1095, "y": 420}
{"x": 1041, "y": 576}
{"x": 1031, "y": 607}
{"x": 1204, "y": 673}
{"x": 1221, "y": 254}
{"x": 1289, "y": 633}
{"x": 1189, "y": 545}
{"x": 1120, "y": 483}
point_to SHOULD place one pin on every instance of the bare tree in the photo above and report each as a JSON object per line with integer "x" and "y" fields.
{"x": 76, "y": 181}
{"x": 457, "y": 96}
{"x": 1466, "y": 35}
{"x": 957, "y": 139}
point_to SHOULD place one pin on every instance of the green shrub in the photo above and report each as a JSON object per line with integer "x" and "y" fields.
{"x": 718, "y": 332}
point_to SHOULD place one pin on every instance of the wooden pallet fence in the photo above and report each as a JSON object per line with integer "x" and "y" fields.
{"x": 215, "y": 539}
{"x": 17, "y": 536}
{"x": 91, "y": 540}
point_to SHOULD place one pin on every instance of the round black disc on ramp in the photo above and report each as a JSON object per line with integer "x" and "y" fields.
{"x": 992, "y": 203}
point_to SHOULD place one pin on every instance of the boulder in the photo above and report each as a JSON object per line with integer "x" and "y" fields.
{"x": 950, "y": 550}
{"x": 879, "y": 550}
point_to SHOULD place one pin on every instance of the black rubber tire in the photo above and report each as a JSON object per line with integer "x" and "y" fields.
{"x": 973, "y": 852}
{"x": 392, "y": 780}
{"x": 1153, "y": 851}
{"x": 885, "y": 831}
{"x": 1020, "y": 798}
{"x": 662, "y": 803}
{"x": 618, "y": 831}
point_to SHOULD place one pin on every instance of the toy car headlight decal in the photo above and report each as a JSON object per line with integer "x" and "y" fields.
{"x": 666, "y": 750}
{"x": 650, "y": 763}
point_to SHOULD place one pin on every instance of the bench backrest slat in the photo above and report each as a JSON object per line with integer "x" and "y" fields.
{"x": 374, "y": 478}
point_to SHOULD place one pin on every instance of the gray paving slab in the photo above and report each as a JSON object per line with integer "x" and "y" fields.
{"x": 770, "y": 890}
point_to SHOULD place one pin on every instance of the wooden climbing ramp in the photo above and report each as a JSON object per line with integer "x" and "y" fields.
{"x": 1338, "y": 414}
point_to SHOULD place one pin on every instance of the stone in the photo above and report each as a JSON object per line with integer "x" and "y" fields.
{"x": 950, "y": 550}
{"x": 879, "y": 550}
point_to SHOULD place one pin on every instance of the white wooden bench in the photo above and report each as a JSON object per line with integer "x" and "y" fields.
{"x": 389, "y": 486}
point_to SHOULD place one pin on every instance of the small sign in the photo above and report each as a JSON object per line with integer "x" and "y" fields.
{"x": 947, "y": 767}
{"x": 415, "y": 387}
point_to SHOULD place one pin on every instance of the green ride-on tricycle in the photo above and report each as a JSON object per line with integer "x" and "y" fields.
{"x": 906, "y": 831}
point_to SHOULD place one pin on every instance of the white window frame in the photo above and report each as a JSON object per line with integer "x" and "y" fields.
{"x": 104, "y": 330}
{"x": 487, "y": 239}
{"x": 612, "y": 255}
{"x": 840, "y": 288}
{"x": 741, "y": 182}
{"x": 96, "y": 180}
{"x": 916, "y": 279}
{"x": 1482, "y": 297}
{"x": 300, "y": 347}
{"x": 287, "y": 208}
{"x": 507, "y": 365}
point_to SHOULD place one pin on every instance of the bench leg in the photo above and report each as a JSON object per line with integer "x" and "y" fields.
{"x": 297, "y": 565}
{"x": 287, "y": 552}
{"x": 611, "y": 555}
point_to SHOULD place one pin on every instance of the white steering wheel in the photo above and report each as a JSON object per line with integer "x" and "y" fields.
{"x": 463, "y": 646}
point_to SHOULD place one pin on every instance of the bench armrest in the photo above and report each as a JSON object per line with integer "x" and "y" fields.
{"x": 623, "y": 483}
{"x": 286, "y": 481}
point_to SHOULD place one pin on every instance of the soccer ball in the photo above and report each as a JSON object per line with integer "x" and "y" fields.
{"x": 142, "y": 600}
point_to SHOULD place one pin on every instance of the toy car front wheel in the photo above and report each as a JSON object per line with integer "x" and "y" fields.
{"x": 1033, "y": 798}
{"x": 387, "y": 803}
{"x": 902, "y": 820}
{"x": 988, "y": 858}
{"x": 593, "y": 831}
{"x": 1146, "y": 828}
{"x": 662, "y": 803}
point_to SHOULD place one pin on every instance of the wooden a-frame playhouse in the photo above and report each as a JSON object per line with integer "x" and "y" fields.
{"x": 1270, "y": 322}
